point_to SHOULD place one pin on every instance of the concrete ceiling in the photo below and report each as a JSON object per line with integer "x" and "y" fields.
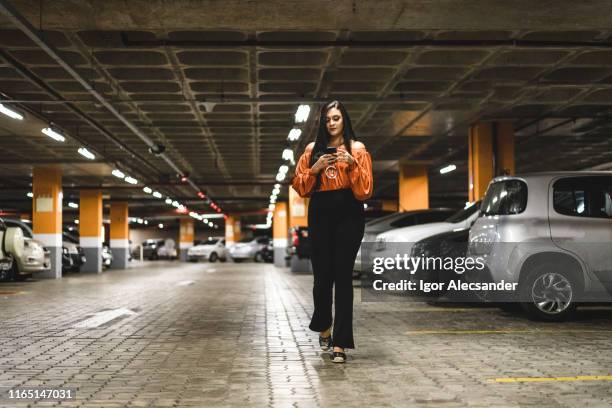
{"x": 218, "y": 83}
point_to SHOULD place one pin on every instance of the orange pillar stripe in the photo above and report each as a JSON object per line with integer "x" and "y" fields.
{"x": 47, "y": 200}
{"x": 280, "y": 225}
{"x": 232, "y": 229}
{"x": 186, "y": 233}
{"x": 491, "y": 154}
{"x": 505, "y": 148}
{"x": 90, "y": 213}
{"x": 480, "y": 160}
{"x": 413, "y": 187}
{"x": 298, "y": 210}
{"x": 119, "y": 225}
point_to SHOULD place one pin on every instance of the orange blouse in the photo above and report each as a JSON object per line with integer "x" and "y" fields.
{"x": 357, "y": 177}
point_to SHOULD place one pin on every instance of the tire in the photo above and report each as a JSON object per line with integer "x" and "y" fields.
{"x": 259, "y": 257}
{"x": 9, "y": 275}
{"x": 22, "y": 278}
{"x": 557, "y": 290}
{"x": 213, "y": 257}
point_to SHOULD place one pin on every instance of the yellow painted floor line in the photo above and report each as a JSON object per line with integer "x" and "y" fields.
{"x": 551, "y": 379}
{"x": 505, "y": 331}
{"x": 4, "y": 293}
{"x": 453, "y": 309}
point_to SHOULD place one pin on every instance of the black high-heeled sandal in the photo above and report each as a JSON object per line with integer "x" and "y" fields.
{"x": 325, "y": 342}
{"x": 338, "y": 357}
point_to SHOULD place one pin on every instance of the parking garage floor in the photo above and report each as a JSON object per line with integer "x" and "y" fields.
{"x": 224, "y": 335}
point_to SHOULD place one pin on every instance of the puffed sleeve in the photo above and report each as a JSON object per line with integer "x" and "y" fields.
{"x": 303, "y": 181}
{"x": 360, "y": 174}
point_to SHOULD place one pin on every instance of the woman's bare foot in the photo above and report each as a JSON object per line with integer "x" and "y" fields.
{"x": 338, "y": 349}
{"x": 338, "y": 355}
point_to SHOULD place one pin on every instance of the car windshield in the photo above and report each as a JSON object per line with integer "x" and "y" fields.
{"x": 244, "y": 240}
{"x": 211, "y": 241}
{"x": 464, "y": 214}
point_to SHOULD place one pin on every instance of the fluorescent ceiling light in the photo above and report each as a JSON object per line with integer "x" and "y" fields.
{"x": 271, "y": 207}
{"x": 76, "y": 222}
{"x": 118, "y": 173}
{"x": 288, "y": 155}
{"x": 280, "y": 176}
{"x": 10, "y": 113}
{"x": 86, "y": 153}
{"x": 161, "y": 226}
{"x": 169, "y": 201}
{"x": 147, "y": 190}
{"x": 53, "y": 134}
{"x": 131, "y": 180}
{"x": 175, "y": 204}
{"x": 73, "y": 205}
{"x": 448, "y": 169}
{"x": 283, "y": 169}
{"x": 157, "y": 194}
{"x": 301, "y": 115}
{"x": 30, "y": 194}
{"x": 294, "y": 134}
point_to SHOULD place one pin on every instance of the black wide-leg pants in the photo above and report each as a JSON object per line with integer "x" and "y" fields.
{"x": 335, "y": 229}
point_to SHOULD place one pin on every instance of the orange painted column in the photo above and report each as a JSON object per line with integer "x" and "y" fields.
{"x": 298, "y": 217}
{"x": 389, "y": 205}
{"x": 47, "y": 216}
{"x": 186, "y": 236}
{"x": 280, "y": 230}
{"x": 232, "y": 230}
{"x": 413, "y": 187}
{"x": 490, "y": 154}
{"x": 119, "y": 235}
{"x": 298, "y": 210}
{"x": 90, "y": 229}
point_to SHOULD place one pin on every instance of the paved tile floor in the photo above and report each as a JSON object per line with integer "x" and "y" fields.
{"x": 236, "y": 335}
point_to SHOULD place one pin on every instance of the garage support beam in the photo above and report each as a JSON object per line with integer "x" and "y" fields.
{"x": 298, "y": 217}
{"x": 186, "y": 235}
{"x": 47, "y": 215}
{"x": 232, "y": 230}
{"x": 119, "y": 234}
{"x": 413, "y": 187}
{"x": 280, "y": 229}
{"x": 90, "y": 229}
{"x": 490, "y": 154}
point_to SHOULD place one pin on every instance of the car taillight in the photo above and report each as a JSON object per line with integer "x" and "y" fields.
{"x": 295, "y": 239}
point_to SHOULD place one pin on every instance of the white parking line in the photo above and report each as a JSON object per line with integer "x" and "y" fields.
{"x": 185, "y": 283}
{"x": 101, "y": 318}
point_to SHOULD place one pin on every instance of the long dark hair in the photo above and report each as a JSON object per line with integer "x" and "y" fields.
{"x": 323, "y": 137}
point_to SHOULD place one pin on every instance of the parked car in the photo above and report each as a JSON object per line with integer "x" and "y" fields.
{"x": 267, "y": 252}
{"x": 451, "y": 244}
{"x": 299, "y": 242}
{"x": 6, "y": 259}
{"x": 107, "y": 256}
{"x": 29, "y": 254}
{"x": 248, "y": 249}
{"x": 73, "y": 256}
{"x": 153, "y": 249}
{"x": 403, "y": 238}
{"x": 212, "y": 250}
{"x": 551, "y": 234}
{"x": 405, "y": 219}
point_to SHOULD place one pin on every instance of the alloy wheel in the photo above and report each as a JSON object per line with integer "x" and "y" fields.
{"x": 552, "y": 293}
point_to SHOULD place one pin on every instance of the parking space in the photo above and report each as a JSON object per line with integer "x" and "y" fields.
{"x": 168, "y": 334}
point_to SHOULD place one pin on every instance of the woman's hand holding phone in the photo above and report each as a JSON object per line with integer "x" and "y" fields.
{"x": 325, "y": 160}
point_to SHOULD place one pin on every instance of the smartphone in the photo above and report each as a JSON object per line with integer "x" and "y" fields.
{"x": 331, "y": 150}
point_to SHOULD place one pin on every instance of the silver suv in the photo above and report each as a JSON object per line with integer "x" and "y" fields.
{"x": 551, "y": 233}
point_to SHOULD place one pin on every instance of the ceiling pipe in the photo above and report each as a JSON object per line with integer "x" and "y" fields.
{"x": 20, "y": 22}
